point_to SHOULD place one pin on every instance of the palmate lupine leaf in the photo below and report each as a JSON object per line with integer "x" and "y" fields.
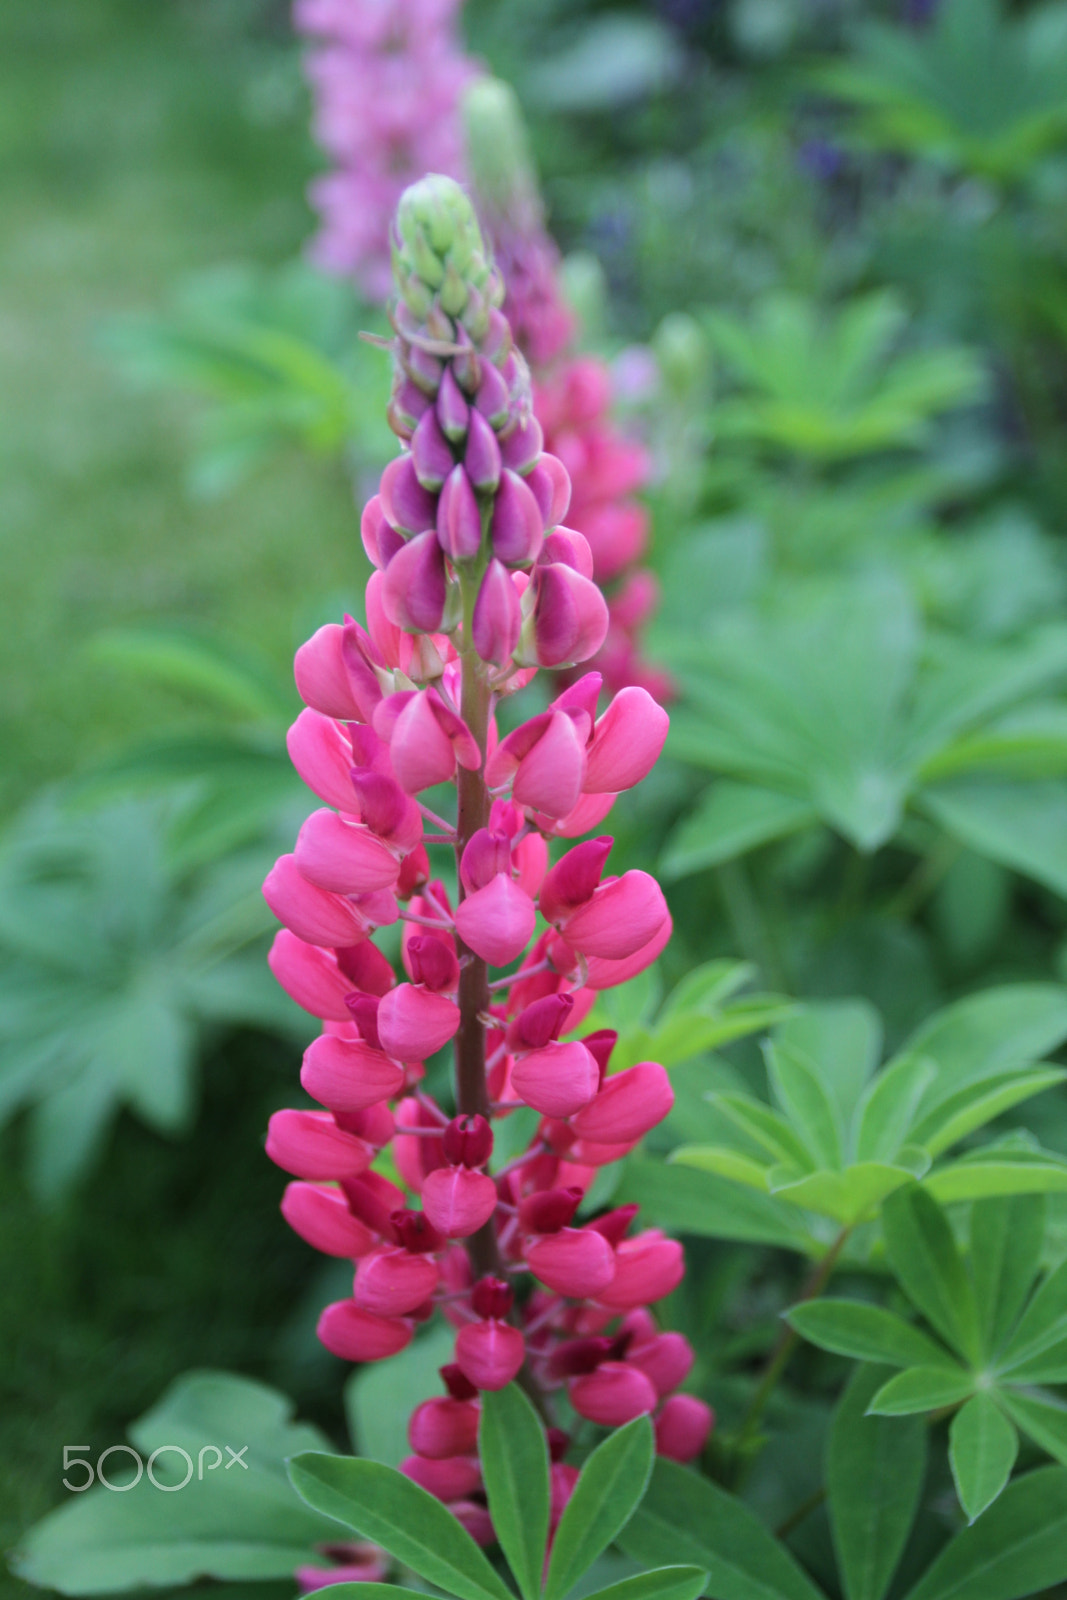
{"x": 874, "y": 1478}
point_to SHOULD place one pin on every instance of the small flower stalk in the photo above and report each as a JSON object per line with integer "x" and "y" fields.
{"x": 478, "y": 583}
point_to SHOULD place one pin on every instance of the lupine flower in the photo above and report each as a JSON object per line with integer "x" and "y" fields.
{"x": 530, "y": 1283}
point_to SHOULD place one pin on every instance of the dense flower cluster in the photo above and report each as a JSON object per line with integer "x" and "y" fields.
{"x": 477, "y": 583}
{"x": 387, "y": 77}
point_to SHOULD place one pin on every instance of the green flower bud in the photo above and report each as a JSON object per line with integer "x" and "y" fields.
{"x": 438, "y": 246}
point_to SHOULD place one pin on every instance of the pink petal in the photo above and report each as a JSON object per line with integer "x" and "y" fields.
{"x": 490, "y": 1354}
{"x": 626, "y": 742}
{"x": 311, "y": 913}
{"x": 557, "y": 1080}
{"x": 310, "y": 976}
{"x": 321, "y": 1217}
{"x": 496, "y": 922}
{"x": 619, "y": 918}
{"x": 628, "y": 1105}
{"x": 347, "y": 1075}
{"x": 458, "y": 1200}
{"x": 393, "y": 1282}
{"x": 413, "y": 1022}
{"x": 344, "y": 856}
{"x": 309, "y": 1144}
{"x": 357, "y": 1335}
{"x": 578, "y": 1262}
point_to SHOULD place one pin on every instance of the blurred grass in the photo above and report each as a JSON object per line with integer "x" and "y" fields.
{"x": 137, "y": 143}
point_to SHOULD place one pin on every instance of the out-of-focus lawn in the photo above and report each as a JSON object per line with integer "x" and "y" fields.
{"x": 137, "y": 143}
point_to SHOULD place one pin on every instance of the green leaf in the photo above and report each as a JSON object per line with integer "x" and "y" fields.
{"x": 804, "y": 1099}
{"x": 662, "y": 1583}
{"x": 197, "y": 665}
{"x": 1019, "y": 824}
{"x": 1042, "y": 1417}
{"x": 514, "y": 1456}
{"x": 1007, "y": 1235}
{"x": 1018, "y": 1548}
{"x": 686, "y": 1201}
{"x": 229, "y": 1524}
{"x": 843, "y": 1039}
{"x": 989, "y": 1034}
{"x": 923, "y": 1254}
{"x": 982, "y": 1450}
{"x": 764, "y": 1127}
{"x": 865, "y": 1332}
{"x": 848, "y": 1197}
{"x": 976, "y": 1179}
{"x": 384, "y": 1506}
{"x": 730, "y": 819}
{"x": 972, "y": 1107}
{"x": 684, "y": 1517}
{"x": 874, "y": 1476}
{"x": 611, "y": 1484}
{"x": 723, "y": 1163}
{"x": 381, "y": 1395}
{"x": 922, "y": 1389}
{"x": 887, "y": 1109}
{"x": 1042, "y": 1325}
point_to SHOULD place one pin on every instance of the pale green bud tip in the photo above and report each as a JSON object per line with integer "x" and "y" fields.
{"x": 438, "y": 244}
{"x": 498, "y": 151}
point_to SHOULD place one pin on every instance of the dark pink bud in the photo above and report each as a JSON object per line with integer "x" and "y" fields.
{"x": 385, "y": 808}
{"x": 458, "y": 1200}
{"x": 408, "y": 404}
{"x": 415, "y": 1232}
{"x": 667, "y": 1359}
{"x": 612, "y": 1395}
{"x": 452, "y": 408}
{"x": 310, "y": 976}
{"x": 570, "y": 618}
{"x": 347, "y": 1074}
{"x": 549, "y": 1210}
{"x": 576, "y": 1357}
{"x": 600, "y": 1045}
{"x": 496, "y": 922}
{"x": 569, "y": 547}
{"x": 492, "y": 398}
{"x": 426, "y": 739}
{"x": 431, "y": 452}
{"x": 415, "y": 587}
{"x": 368, "y": 970}
{"x": 516, "y": 529}
{"x": 574, "y": 878}
{"x": 497, "y": 620}
{"x": 626, "y": 742}
{"x": 481, "y": 458}
{"x": 577, "y": 1262}
{"x": 492, "y": 1297}
{"x": 414, "y": 873}
{"x": 452, "y": 1478}
{"x": 475, "y": 1520}
{"x": 392, "y": 1282}
{"x": 457, "y": 1383}
{"x": 374, "y": 1123}
{"x": 373, "y": 1199}
{"x": 424, "y": 368}
{"x": 380, "y": 541}
{"x": 468, "y": 1142}
{"x": 557, "y": 1080}
{"x": 357, "y": 1335}
{"x": 550, "y": 485}
{"x": 614, "y": 1224}
{"x": 414, "y": 1022}
{"x": 442, "y": 1428}
{"x": 407, "y": 505}
{"x": 486, "y": 854}
{"x": 646, "y": 1269}
{"x": 459, "y": 518}
{"x": 559, "y": 1442}
{"x": 523, "y": 446}
{"x": 682, "y": 1427}
{"x": 491, "y": 1353}
{"x": 321, "y": 1217}
{"x": 432, "y": 962}
{"x": 628, "y": 1105}
{"x": 363, "y": 1009}
{"x": 541, "y": 1022}
{"x": 363, "y": 661}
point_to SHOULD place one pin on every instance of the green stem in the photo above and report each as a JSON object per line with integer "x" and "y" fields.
{"x": 914, "y": 893}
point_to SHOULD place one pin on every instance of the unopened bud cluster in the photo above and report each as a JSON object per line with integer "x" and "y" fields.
{"x": 476, "y": 583}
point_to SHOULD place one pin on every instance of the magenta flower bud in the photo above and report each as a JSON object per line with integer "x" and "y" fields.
{"x": 453, "y": 412}
{"x": 667, "y": 1360}
{"x": 373, "y": 1199}
{"x": 602, "y": 974}
{"x": 408, "y": 405}
{"x": 415, "y": 586}
{"x": 600, "y": 1045}
{"x": 414, "y": 1231}
{"x": 577, "y": 1357}
{"x": 481, "y": 458}
{"x": 612, "y": 1395}
{"x": 523, "y": 446}
{"x": 577, "y": 1262}
{"x": 492, "y": 398}
{"x": 310, "y": 976}
{"x": 486, "y": 854}
{"x": 545, "y": 760}
{"x": 459, "y": 518}
{"x": 491, "y": 1297}
{"x": 541, "y": 1022}
{"x": 468, "y": 1142}
{"x": 646, "y": 1268}
{"x": 393, "y": 1283}
{"x": 344, "y": 857}
{"x": 414, "y": 1022}
{"x": 573, "y": 880}
{"x": 558, "y": 1080}
{"x": 442, "y": 1428}
{"x": 571, "y": 548}
{"x": 617, "y": 535}
{"x": 628, "y": 1105}
{"x": 453, "y": 1478}
{"x": 384, "y": 807}
{"x": 311, "y": 913}
{"x": 322, "y": 678}
{"x": 456, "y": 1382}
{"x": 618, "y": 918}
{"x": 407, "y": 505}
{"x": 414, "y": 873}
{"x": 497, "y": 620}
{"x": 432, "y": 962}
{"x": 309, "y": 1144}
{"x": 517, "y": 531}
{"x": 569, "y": 621}
{"x": 322, "y": 1219}
{"x": 431, "y": 453}
{"x": 490, "y": 1353}
{"x": 357, "y": 1335}
{"x": 626, "y": 742}
{"x": 363, "y": 662}
{"x": 475, "y": 1519}
{"x": 426, "y": 739}
{"x": 322, "y": 755}
{"x": 347, "y": 1075}
{"x": 363, "y": 1009}
{"x": 367, "y": 970}
{"x": 458, "y": 1200}
{"x": 615, "y": 1224}
{"x": 424, "y": 368}
{"x": 683, "y": 1427}
{"x": 496, "y": 922}
{"x": 549, "y": 1210}
{"x": 372, "y": 525}
{"x": 550, "y": 486}
{"x": 375, "y": 1124}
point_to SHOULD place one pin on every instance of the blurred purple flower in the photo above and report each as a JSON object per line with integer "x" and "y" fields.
{"x": 821, "y": 159}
